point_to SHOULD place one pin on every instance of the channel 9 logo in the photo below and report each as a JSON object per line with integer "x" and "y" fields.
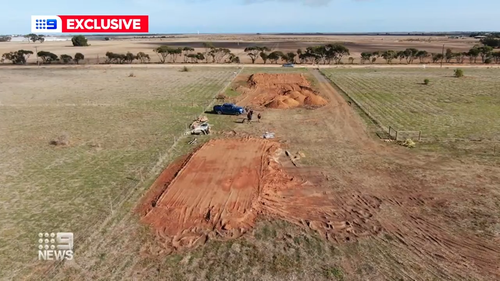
{"x": 55, "y": 246}
{"x": 45, "y": 24}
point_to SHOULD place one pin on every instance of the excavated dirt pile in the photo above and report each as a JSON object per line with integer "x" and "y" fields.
{"x": 218, "y": 191}
{"x": 282, "y": 91}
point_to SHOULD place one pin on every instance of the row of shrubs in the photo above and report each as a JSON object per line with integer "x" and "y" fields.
{"x": 21, "y": 56}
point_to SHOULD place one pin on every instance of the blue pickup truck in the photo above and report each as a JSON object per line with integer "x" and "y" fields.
{"x": 229, "y": 108}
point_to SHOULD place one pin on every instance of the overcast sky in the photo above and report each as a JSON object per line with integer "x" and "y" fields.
{"x": 250, "y": 16}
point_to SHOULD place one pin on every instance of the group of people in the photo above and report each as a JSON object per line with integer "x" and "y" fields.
{"x": 250, "y": 115}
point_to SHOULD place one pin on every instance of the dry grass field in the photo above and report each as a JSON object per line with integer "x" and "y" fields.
{"x": 434, "y": 216}
{"x": 237, "y": 43}
{"x": 120, "y": 130}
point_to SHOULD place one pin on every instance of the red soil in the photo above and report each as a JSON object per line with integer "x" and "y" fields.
{"x": 282, "y": 91}
{"x": 219, "y": 190}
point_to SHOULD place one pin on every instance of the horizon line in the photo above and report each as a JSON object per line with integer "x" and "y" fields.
{"x": 264, "y": 33}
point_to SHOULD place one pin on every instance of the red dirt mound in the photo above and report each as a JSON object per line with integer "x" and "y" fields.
{"x": 282, "y": 91}
{"x": 219, "y": 190}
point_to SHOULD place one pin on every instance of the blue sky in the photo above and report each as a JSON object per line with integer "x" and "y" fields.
{"x": 250, "y": 16}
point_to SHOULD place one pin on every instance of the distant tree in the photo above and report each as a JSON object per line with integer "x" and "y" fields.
{"x": 191, "y": 58}
{"x": 208, "y": 46}
{"x": 422, "y": 55}
{"x": 162, "y": 52}
{"x": 117, "y": 58}
{"x": 336, "y": 51}
{"x": 233, "y": 58}
{"x": 79, "y": 41}
{"x": 32, "y": 37}
{"x": 290, "y": 57}
{"x": 365, "y": 56}
{"x": 437, "y": 57}
{"x": 401, "y": 56}
{"x": 187, "y": 51}
{"x": 143, "y": 57}
{"x": 17, "y": 57}
{"x": 107, "y": 38}
{"x": 389, "y": 55}
{"x": 129, "y": 57}
{"x": 5, "y": 38}
{"x": 111, "y": 57}
{"x": 448, "y": 55}
{"x": 485, "y": 52}
{"x": 275, "y": 56}
{"x": 264, "y": 56}
{"x": 200, "y": 56}
{"x": 410, "y": 54}
{"x": 301, "y": 56}
{"x": 78, "y": 57}
{"x": 460, "y": 56}
{"x": 47, "y": 57}
{"x": 174, "y": 53}
{"x": 253, "y": 52}
{"x": 66, "y": 58}
{"x": 473, "y": 54}
{"x": 218, "y": 54}
{"x": 496, "y": 57}
{"x": 351, "y": 60}
{"x": 426, "y": 81}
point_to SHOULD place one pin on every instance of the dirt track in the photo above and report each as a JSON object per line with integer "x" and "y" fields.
{"x": 432, "y": 240}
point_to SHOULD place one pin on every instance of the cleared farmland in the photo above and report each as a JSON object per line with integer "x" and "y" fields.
{"x": 447, "y": 108}
{"x": 120, "y": 127}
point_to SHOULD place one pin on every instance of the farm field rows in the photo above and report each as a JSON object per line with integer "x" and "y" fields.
{"x": 447, "y": 108}
{"x": 119, "y": 127}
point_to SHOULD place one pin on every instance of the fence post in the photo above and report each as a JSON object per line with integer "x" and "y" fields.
{"x": 396, "y": 135}
{"x": 390, "y": 136}
{"x": 419, "y": 135}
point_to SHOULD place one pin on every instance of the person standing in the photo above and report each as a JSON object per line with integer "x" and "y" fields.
{"x": 249, "y": 115}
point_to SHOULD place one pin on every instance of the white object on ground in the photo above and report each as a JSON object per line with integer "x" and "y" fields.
{"x": 268, "y": 135}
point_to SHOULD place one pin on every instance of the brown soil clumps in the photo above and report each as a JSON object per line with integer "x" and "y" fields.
{"x": 281, "y": 91}
{"x": 218, "y": 191}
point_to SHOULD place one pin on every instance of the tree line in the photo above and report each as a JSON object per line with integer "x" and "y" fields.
{"x": 322, "y": 54}
{"x": 21, "y": 57}
{"x": 486, "y": 53}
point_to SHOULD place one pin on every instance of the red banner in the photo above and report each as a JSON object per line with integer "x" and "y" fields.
{"x": 105, "y": 24}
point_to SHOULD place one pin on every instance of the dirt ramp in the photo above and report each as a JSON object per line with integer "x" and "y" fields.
{"x": 281, "y": 91}
{"x": 218, "y": 191}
